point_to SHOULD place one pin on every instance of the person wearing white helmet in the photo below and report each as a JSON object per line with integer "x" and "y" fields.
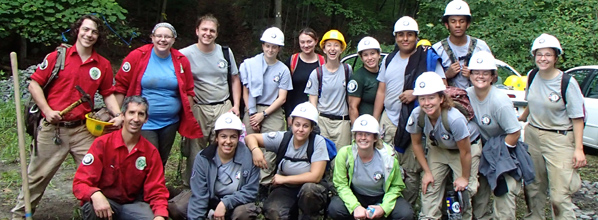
{"x": 554, "y": 132}
{"x": 266, "y": 82}
{"x": 363, "y": 86}
{"x": 458, "y": 47}
{"x": 224, "y": 177}
{"x": 452, "y": 143}
{"x": 395, "y": 96}
{"x": 367, "y": 175}
{"x": 327, "y": 90}
{"x": 495, "y": 117}
{"x": 212, "y": 72}
{"x": 301, "y": 65}
{"x": 297, "y": 183}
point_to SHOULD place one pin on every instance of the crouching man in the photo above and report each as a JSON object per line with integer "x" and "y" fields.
{"x": 122, "y": 172}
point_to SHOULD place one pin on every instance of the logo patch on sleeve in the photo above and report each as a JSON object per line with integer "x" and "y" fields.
{"x": 126, "y": 67}
{"x": 272, "y": 135}
{"x": 352, "y": 87}
{"x": 87, "y": 159}
{"x": 44, "y": 64}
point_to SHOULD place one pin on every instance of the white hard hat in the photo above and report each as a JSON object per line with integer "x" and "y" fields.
{"x": 428, "y": 83}
{"x": 306, "y": 110}
{"x": 406, "y": 23}
{"x": 368, "y": 43}
{"x": 273, "y": 35}
{"x": 546, "y": 41}
{"x": 482, "y": 60}
{"x": 228, "y": 121}
{"x": 457, "y": 7}
{"x": 366, "y": 123}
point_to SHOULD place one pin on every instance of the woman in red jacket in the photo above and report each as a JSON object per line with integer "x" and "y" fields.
{"x": 163, "y": 76}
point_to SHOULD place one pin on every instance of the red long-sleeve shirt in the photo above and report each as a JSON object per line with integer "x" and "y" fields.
{"x": 122, "y": 175}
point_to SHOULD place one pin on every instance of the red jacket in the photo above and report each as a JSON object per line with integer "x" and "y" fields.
{"x": 128, "y": 82}
{"x": 122, "y": 176}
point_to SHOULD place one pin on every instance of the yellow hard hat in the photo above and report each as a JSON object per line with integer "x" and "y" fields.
{"x": 95, "y": 127}
{"x": 333, "y": 35}
{"x": 520, "y": 84}
{"x": 423, "y": 42}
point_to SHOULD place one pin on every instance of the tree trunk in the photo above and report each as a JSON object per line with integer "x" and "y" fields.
{"x": 162, "y": 14}
{"x": 22, "y": 49}
{"x": 277, "y": 13}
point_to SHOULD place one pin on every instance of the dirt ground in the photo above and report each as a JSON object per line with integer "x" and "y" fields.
{"x": 58, "y": 201}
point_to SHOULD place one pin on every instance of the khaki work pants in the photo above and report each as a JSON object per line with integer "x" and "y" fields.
{"x": 45, "y": 162}
{"x": 274, "y": 122}
{"x": 503, "y": 207}
{"x": 338, "y": 131}
{"x": 441, "y": 161}
{"x": 552, "y": 155}
{"x": 206, "y": 116}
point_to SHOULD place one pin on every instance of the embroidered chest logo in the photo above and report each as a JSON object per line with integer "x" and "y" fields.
{"x": 445, "y": 137}
{"x": 238, "y": 175}
{"x": 352, "y": 86}
{"x": 126, "y": 67}
{"x": 486, "y": 120}
{"x": 140, "y": 163}
{"x": 378, "y": 176}
{"x": 95, "y": 73}
{"x": 222, "y": 64}
{"x": 554, "y": 97}
{"x": 87, "y": 159}
{"x": 277, "y": 78}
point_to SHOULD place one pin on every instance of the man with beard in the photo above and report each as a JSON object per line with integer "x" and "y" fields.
{"x": 395, "y": 95}
{"x": 457, "y": 48}
{"x": 122, "y": 172}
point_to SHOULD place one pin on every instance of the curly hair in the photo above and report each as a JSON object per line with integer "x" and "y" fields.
{"x": 75, "y": 28}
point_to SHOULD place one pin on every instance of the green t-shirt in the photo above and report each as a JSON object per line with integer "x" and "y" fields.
{"x": 364, "y": 84}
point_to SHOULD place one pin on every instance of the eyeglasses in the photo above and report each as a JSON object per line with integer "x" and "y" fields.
{"x": 165, "y": 37}
{"x": 433, "y": 139}
{"x": 544, "y": 55}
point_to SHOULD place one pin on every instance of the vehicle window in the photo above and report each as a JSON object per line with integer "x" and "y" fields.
{"x": 592, "y": 88}
{"x": 580, "y": 74}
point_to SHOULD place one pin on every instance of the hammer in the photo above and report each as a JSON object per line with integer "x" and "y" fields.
{"x": 84, "y": 98}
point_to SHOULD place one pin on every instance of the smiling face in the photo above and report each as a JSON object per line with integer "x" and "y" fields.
{"x": 481, "y": 79}
{"x": 270, "y": 50}
{"x": 301, "y": 128}
{"x": 307, "y": 43}
{"x": 227, "y": 140}
{"x": 134, "y": 118}
{"x": 87, "y": 34}
{"x": 545, "y": 58}
{"x": 333, "y": 49}
{"x": 457, "y": 25}
{"x": 406, "y": 40}
{"x": 430, "y": 104}
{"x": 163, "y": 39}
{"x": 370, "y": 58}
{"x": 207, "y": 32}
{"x": 365, "y": 140}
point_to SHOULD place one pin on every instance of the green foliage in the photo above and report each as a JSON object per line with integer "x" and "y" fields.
{"x": 510, "y": 26}
{"x": 8, "y": 132}
{"x": 43, "y": 21}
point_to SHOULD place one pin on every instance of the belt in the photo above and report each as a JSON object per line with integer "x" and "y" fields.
{"x": 262, "y": 105}
{"x": 215, "y": 103}
{"x": 335, "y": 117}
{"x": 563, "y": 132}
{"x": 69, "y": 124}
{"x": 476, "y": 139}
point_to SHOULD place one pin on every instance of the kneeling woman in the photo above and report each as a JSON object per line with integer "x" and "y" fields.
{"x": 367, "y": 175}
{"x": 224, "y": 177}
{"x": 296, "y": 185}
{"x": 452, "y": 142}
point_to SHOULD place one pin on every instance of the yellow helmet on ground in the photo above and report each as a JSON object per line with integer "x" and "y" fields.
{"x": 333, "y": 35}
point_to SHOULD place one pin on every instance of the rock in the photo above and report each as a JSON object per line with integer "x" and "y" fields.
{"x": 585, "y": 217}
{"x": 588, "y": 213}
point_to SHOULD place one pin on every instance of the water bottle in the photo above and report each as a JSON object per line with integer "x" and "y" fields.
{"x": 453, "y": 206}
{"x": 370, "y": 212}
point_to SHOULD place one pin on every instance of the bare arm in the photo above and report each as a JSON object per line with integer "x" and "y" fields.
{"x": 236, "y": 87}
{"x": 119, "y": 98}
{"x": 465, "y": 156}
{"x": 354, "y": 107}
{"x": 313, "y": 99}
{"x": 418, "y": 150}
{"x": 379, "y": 103}
{"x": 512, "y": 138}
{"x": 38, "y": 95}
{"x": 313, "y": 176}
{"x": 524, "y": 115}
{"x": 579, "y": 158}
{"x": 113, "y": 106}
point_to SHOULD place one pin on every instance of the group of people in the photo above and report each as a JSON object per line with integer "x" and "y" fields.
{"x": 397, "y": 133}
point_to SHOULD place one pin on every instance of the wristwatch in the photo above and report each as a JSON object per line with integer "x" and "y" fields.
{"x": 265, "y": 115}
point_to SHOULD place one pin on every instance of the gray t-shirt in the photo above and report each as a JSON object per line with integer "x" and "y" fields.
{"x": 460, "y": 128}
{"x": 229, "y": 176}
{"x": 210, "y": 72}
{"x": 494, "y": 115}
{"x": 459, "y": 52}
{"x": 368, "y": 178}
{"x": 272, "y": 141}
{"x": 394, "y": 77}
{"x": 334, "y": 90}
{"x": 276, "y": 77}
{"x": 546, "y": 107}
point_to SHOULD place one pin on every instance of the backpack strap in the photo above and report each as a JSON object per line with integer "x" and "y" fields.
{"x": 319, "y": 75}
{"x": 226, "y": 55}
{"x": 294, "y": 60}
{"x": 473, "y": 42}
{"x": 564, "y": 84}
{"x": 389, "y": 57}
{"x": 530, "y": 77}
{"x": 310, "y": 146}
{"x": 321, "y": 60}
{"x": 421, "y": 121}
{"x": 448, "y": 50}
{"x": 282, "y": 148}
{"x": 444, "y": 119}
{"x": 60, "y": 59}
